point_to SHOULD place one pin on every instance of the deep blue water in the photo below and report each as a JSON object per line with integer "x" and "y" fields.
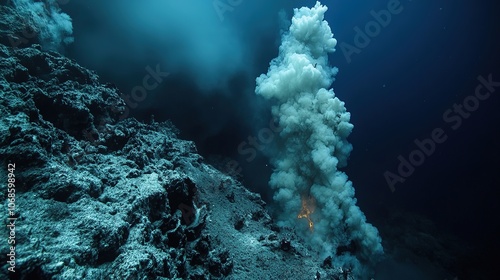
{"x": 397, "y": 88}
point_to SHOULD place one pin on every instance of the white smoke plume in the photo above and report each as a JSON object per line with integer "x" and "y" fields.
{"x": 54, "y": 27}
{"x": 313, "y": 145}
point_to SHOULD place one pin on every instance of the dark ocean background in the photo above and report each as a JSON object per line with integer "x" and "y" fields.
{"x": 397, "y": 88}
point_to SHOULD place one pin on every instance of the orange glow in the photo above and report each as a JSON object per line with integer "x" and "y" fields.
{"x": 308, "y": 206}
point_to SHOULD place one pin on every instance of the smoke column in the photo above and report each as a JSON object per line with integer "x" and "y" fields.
{"x": 312, "y": 144}
{"x": 53, "y": 27}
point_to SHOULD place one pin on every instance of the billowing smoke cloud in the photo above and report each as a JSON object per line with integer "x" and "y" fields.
{"x": 208, "y": 42}
{"x": 54, "y": 28}
{"x": 313, "y": 145}
{"x": 193, "y": 37}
